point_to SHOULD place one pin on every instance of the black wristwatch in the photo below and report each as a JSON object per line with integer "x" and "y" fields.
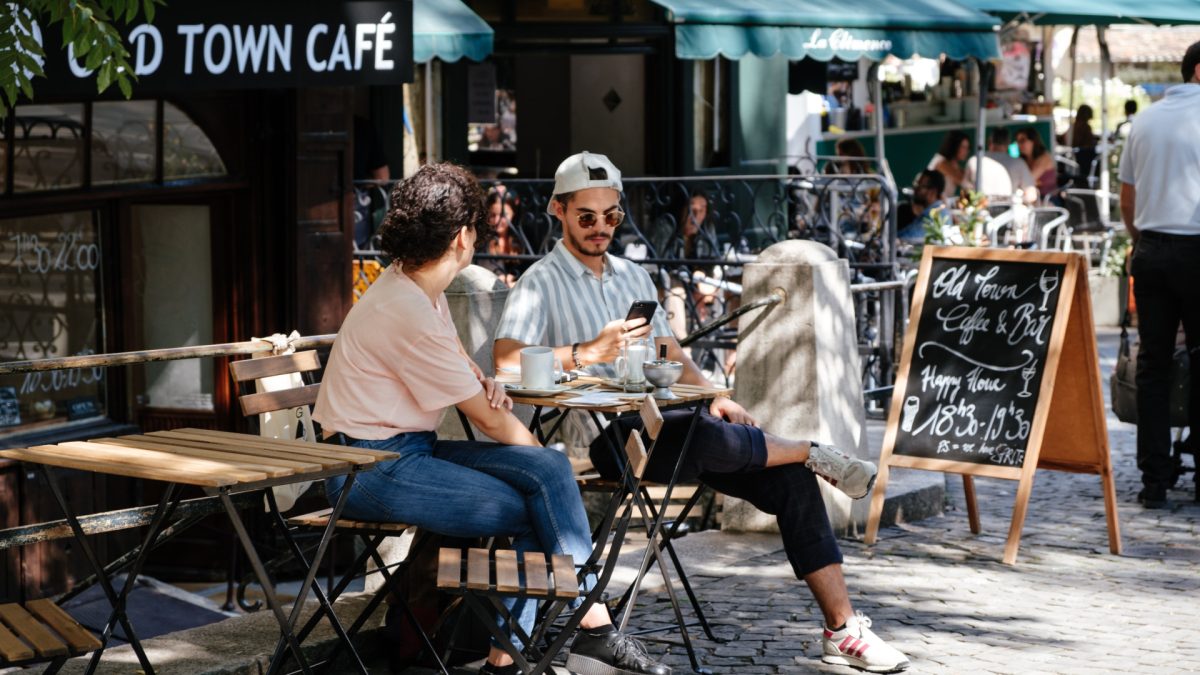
{"x": 575, "y": 356}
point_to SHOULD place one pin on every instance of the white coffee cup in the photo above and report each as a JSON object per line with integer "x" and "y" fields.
{"x": 539, "y": 368}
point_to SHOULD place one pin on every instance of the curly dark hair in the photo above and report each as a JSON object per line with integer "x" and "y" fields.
{"x": 428, "y": 209}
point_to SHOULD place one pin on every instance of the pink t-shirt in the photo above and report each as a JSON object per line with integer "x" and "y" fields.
{"x": 395, "y": 365}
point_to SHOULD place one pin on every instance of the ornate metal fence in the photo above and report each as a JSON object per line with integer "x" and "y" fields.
{"x": 697, "y": 265}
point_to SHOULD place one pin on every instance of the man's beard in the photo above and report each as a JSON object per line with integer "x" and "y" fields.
{"x": 579, "y": 245}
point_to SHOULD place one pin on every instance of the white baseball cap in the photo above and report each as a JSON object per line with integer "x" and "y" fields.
{"x": 582, "y": 171}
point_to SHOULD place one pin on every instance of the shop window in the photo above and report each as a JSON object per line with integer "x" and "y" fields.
{"x": 710, "y": 113}
{"x": 128, "y": 145}
{"x": 47, "y": 147}
{"x": 172, "y": 275}
{"x": 123, "y": 142}
{"x": 491, "y": 117}
{"x": 187, "y": 151}
{"x": 51, "y": 296}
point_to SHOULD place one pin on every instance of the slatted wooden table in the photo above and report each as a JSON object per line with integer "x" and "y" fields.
{"x": 221, "y": 464}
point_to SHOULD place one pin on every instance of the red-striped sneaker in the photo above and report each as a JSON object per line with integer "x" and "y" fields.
{"x": 856, "y": 646}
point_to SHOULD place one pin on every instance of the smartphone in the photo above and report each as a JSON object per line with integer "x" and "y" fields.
{"x": 642, "y": 309}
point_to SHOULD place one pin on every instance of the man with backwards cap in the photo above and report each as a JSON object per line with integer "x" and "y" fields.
{"x": 575, "y": 300}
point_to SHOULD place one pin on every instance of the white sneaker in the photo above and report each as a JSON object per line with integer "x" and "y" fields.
{"x": 856, "y": 646}
{"x": 848, "y": 474}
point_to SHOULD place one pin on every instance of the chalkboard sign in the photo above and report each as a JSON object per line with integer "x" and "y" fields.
{"x": 1000, "y": 342}
{"x": 982, "y": 339}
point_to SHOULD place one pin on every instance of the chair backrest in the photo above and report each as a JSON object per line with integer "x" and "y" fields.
{"x": 250, "y": 370}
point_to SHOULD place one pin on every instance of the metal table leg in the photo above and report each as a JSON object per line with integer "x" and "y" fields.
{"x": 166, "y": 505}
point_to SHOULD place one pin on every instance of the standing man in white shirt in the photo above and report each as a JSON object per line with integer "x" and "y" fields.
{"x": 1160, "y": 204}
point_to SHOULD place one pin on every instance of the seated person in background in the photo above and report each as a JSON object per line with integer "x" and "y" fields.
{"x": 1018, "y": 176}
{"x": 501, "y": 210}
{"x": 926, "y": 202}
{"x": 575, "y": 300}
{"x": 395, "y": 366}
{"x": 1039, "y": 161}
{"x": 948, "y": 161}
{"x": 855, "y": 163}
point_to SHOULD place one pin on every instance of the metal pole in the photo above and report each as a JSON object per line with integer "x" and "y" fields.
{"x": 1104, "y": 66}
{"x": 981, "y": 128}
{"x": 880, "y": 155}
{"x": 1071, "y": 95}
{"x": 429, "y": 158}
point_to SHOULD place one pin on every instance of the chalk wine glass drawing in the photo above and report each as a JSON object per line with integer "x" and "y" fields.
{"x": 1047, "y": 284}
{"x": 1027, "y": 374}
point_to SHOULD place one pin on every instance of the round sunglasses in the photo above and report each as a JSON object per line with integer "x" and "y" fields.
{"x": 611, "y": 218}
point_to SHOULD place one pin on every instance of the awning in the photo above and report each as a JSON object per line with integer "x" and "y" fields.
{"x": 449, "y": 30}
{"x": 1092, "y": 12}
{"x": 824, "y": 29}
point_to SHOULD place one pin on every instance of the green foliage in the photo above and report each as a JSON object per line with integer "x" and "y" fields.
{"x": 1114, "y": 262}
{"x": 89, "y": 26}
{"x": 966, "y": 226}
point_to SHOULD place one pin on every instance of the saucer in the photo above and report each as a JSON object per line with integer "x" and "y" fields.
{"x": 520, "y": 390}
{"x": 614, "y": 383}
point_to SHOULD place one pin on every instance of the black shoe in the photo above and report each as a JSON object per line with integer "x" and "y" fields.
{"x": 614, "y": 653}
{"x": 1153, "y": 498}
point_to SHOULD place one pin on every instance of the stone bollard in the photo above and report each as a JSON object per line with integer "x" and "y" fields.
{"x": 476, "y": 299}
{"x": 798, "y": 368}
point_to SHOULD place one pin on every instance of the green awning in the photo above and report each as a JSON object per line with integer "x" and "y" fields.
{"x": 824, "y": 29}
{"x": 449, "y": 30}
{"x": 1092, "y": 12}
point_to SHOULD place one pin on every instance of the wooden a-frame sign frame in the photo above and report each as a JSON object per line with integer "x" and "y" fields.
{"x": 1068, "y": 432}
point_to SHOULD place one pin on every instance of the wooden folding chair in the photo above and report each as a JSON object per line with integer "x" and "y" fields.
{"x": 484, "y": 578}
{"x": 371, "y": 534}
{"x": 39, "y": 631}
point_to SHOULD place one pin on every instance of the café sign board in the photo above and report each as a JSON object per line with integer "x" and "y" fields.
{"x": 222, "y": 44}
{"x": 999, "y": 378}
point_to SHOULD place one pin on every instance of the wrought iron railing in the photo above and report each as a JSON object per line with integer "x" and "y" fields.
{"x": 855, "y": 215}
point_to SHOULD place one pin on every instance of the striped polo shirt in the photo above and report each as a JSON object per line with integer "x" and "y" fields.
{"x": 558, "y": 301}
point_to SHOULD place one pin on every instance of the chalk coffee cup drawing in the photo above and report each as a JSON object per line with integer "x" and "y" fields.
{"x": 634, "y": 353}
{"x": 539, "y": 368}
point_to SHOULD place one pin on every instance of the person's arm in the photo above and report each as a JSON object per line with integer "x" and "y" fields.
{"x": 497, "y": 423}
{"x": 604, "y": 348}
{"x": 1128, "y": 201}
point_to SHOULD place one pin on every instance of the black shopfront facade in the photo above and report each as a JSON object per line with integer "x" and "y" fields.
{"x": 213, "y": 206}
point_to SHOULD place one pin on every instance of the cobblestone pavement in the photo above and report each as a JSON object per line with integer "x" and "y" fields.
{"x": 943, "y": 596}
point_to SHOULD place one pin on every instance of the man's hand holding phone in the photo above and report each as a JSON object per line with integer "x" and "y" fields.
{"x": 606, "y": 346}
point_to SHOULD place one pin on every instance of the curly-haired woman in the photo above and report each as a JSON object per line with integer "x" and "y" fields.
{"x": 397, "y": 363}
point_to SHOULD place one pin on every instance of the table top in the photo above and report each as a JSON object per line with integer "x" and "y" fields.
{"x": 202, "y": 457}
{"x": 685, "y": 393}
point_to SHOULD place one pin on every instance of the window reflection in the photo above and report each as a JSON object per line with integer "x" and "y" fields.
{"x": 48, "y": 147}
{"x": 123, "y": 142}
{"x": 187, "y": 152}
{"x": 49, "y": 291}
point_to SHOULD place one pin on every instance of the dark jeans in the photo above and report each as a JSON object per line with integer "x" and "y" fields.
{"x": 1166, "y": 271}
{"x": 729, "y": 458}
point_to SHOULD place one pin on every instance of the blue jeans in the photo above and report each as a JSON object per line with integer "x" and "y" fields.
{"x": 474, "y": 489}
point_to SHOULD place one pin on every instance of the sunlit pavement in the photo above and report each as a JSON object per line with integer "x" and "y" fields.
{"x": 941, "y": 594}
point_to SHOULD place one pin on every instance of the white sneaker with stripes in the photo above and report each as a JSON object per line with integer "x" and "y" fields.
{"x": 849, "y": 474}
{"x": 856, "y": 646}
